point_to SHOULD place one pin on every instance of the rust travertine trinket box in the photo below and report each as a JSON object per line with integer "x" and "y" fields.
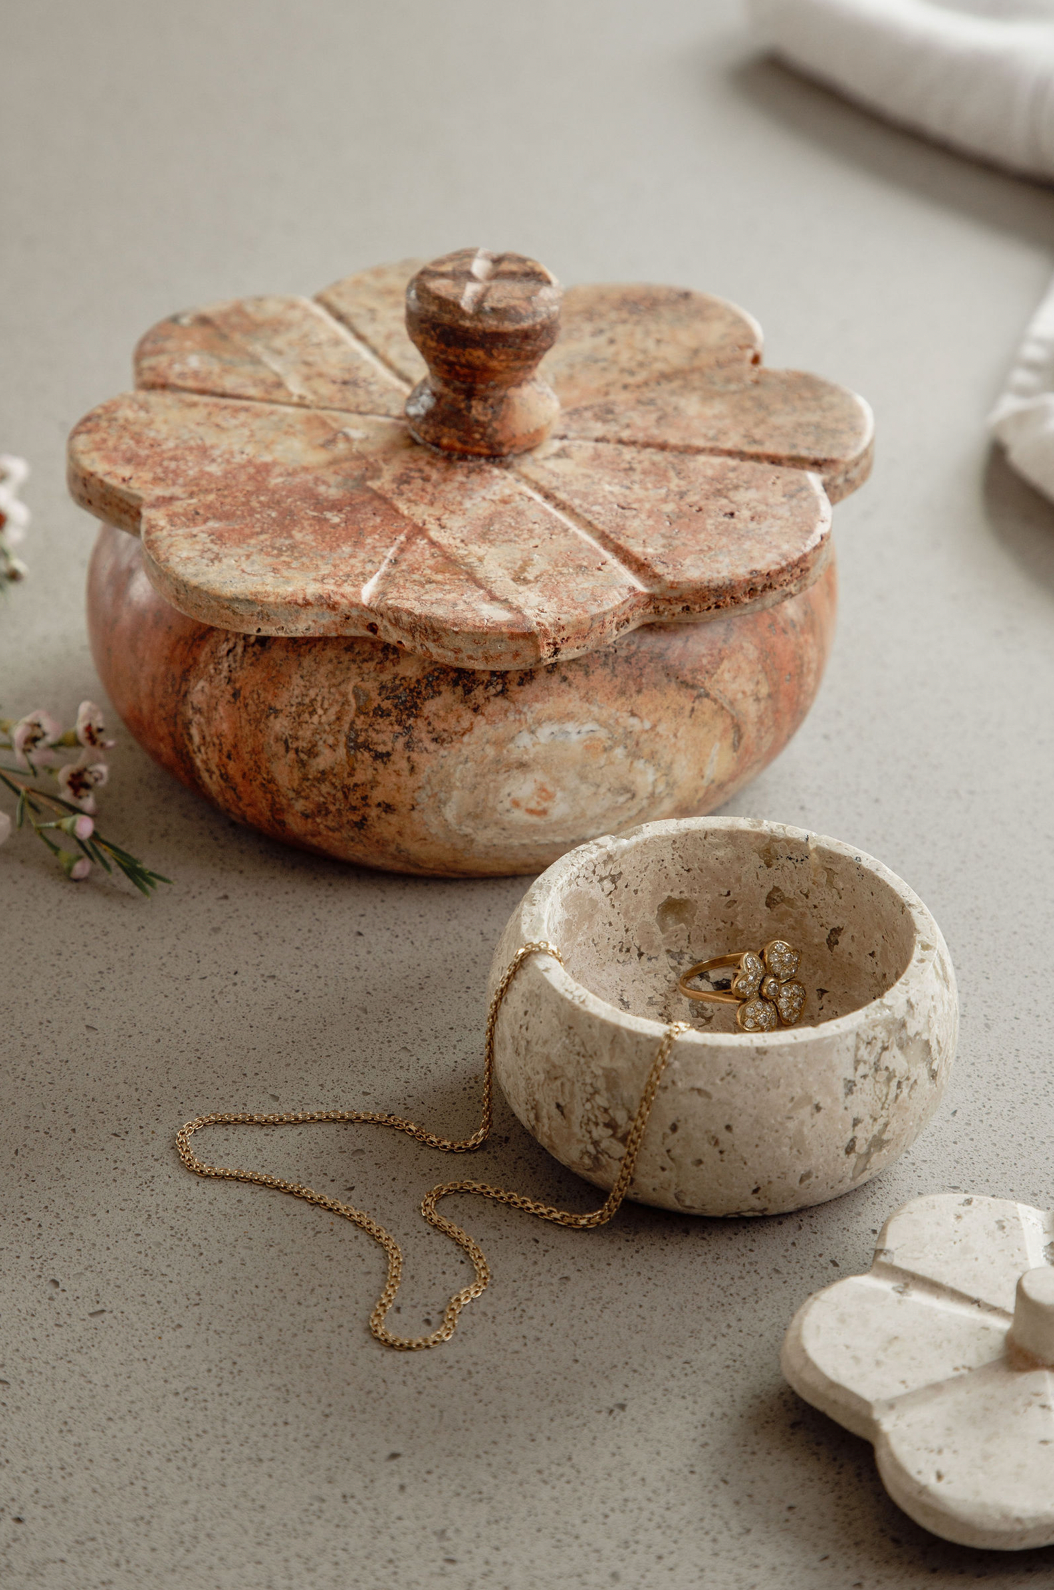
{"x": 438, "y": 573}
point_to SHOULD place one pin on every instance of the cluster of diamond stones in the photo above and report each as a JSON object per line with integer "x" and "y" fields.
{"x": 765, "y": 983}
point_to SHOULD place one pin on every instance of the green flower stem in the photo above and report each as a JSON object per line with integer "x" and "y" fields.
{"x": 96, "y": 848}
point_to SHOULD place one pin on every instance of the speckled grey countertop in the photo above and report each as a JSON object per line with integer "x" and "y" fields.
{"x": 611, "y": 1413}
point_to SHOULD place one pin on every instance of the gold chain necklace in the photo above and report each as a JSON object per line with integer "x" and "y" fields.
{"x": 358, "y": 1217}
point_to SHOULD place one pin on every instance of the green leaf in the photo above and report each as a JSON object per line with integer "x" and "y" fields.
{"x": 134, "y": 874}
{"x": 98, "y": 855}
{"x": 119, "y": 854}
{"x": 134, "y": 870}
{"x": 16, "y": 786}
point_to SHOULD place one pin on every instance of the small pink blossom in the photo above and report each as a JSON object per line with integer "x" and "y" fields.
{"x": 32, "y": 738}
{"x": 5, "y": 827}
{"x": 90, "y": 726}
{"x": 14, "y": 518}
{"x": 77, "y": 867}
{"x": 14, "y": 472}
{"x": 14, "y": 515}
{"x": 79, "y": 780}
{"x": 80, "y": 827}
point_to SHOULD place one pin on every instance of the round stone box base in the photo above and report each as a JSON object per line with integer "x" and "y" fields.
{"x": 376, "y": 755}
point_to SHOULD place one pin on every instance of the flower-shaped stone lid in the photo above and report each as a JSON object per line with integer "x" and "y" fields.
{"x": 943, "y": 1357}
{"x": 295, "y": 468}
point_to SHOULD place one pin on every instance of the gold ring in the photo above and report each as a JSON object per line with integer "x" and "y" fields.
{"x": 764, "y": 986}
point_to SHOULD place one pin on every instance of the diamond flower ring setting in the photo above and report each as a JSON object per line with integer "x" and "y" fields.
{"x": 764, "y": 987}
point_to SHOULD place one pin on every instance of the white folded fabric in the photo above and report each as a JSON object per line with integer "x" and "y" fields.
{"x": 1023, "y": 418}
{"x": 976, "y": 74}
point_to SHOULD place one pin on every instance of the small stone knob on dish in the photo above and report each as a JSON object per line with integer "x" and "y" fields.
{"x": 1033, "y": 1327}
{"x": 483, "y": 322}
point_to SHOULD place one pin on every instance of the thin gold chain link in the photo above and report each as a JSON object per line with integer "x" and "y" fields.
{"x": 366, "y": 1222}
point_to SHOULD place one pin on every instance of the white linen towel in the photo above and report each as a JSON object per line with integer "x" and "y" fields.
{"x": 976, "y": 74}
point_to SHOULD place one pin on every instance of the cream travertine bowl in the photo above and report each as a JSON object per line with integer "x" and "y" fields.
{"x": 742, "y": 1123}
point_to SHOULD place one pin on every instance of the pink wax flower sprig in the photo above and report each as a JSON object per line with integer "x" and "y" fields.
{"x": 40, "y": 746}
{"x": 14, "y": 518}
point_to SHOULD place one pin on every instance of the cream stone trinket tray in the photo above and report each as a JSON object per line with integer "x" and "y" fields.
{"x": 439, "y": 573}
{"x": 942, "y": 1356}
{"x": 742, "y": 1123}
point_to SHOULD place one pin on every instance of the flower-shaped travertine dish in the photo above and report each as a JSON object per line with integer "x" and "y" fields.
{"x": 942, "y": 1357}
{"x": 267, "y": 464}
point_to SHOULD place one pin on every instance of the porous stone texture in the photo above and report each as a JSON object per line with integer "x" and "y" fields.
{"x": 375, "y": 754}
{"x": 942, "y": 1356}
{"x": 742, "y": 1123}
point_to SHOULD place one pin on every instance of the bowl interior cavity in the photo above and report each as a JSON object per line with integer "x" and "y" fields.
{"x": 631, "y": 922}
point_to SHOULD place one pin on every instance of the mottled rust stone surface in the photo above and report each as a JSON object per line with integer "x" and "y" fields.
{"x": 464, "y": 665}
{"x": 373, "y": 754}
{"x": 266, "y": 464}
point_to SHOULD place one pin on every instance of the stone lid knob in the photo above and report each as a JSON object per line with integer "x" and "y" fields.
{"x": 482, "y": 322}
{"x": 1033, "y": 1327}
